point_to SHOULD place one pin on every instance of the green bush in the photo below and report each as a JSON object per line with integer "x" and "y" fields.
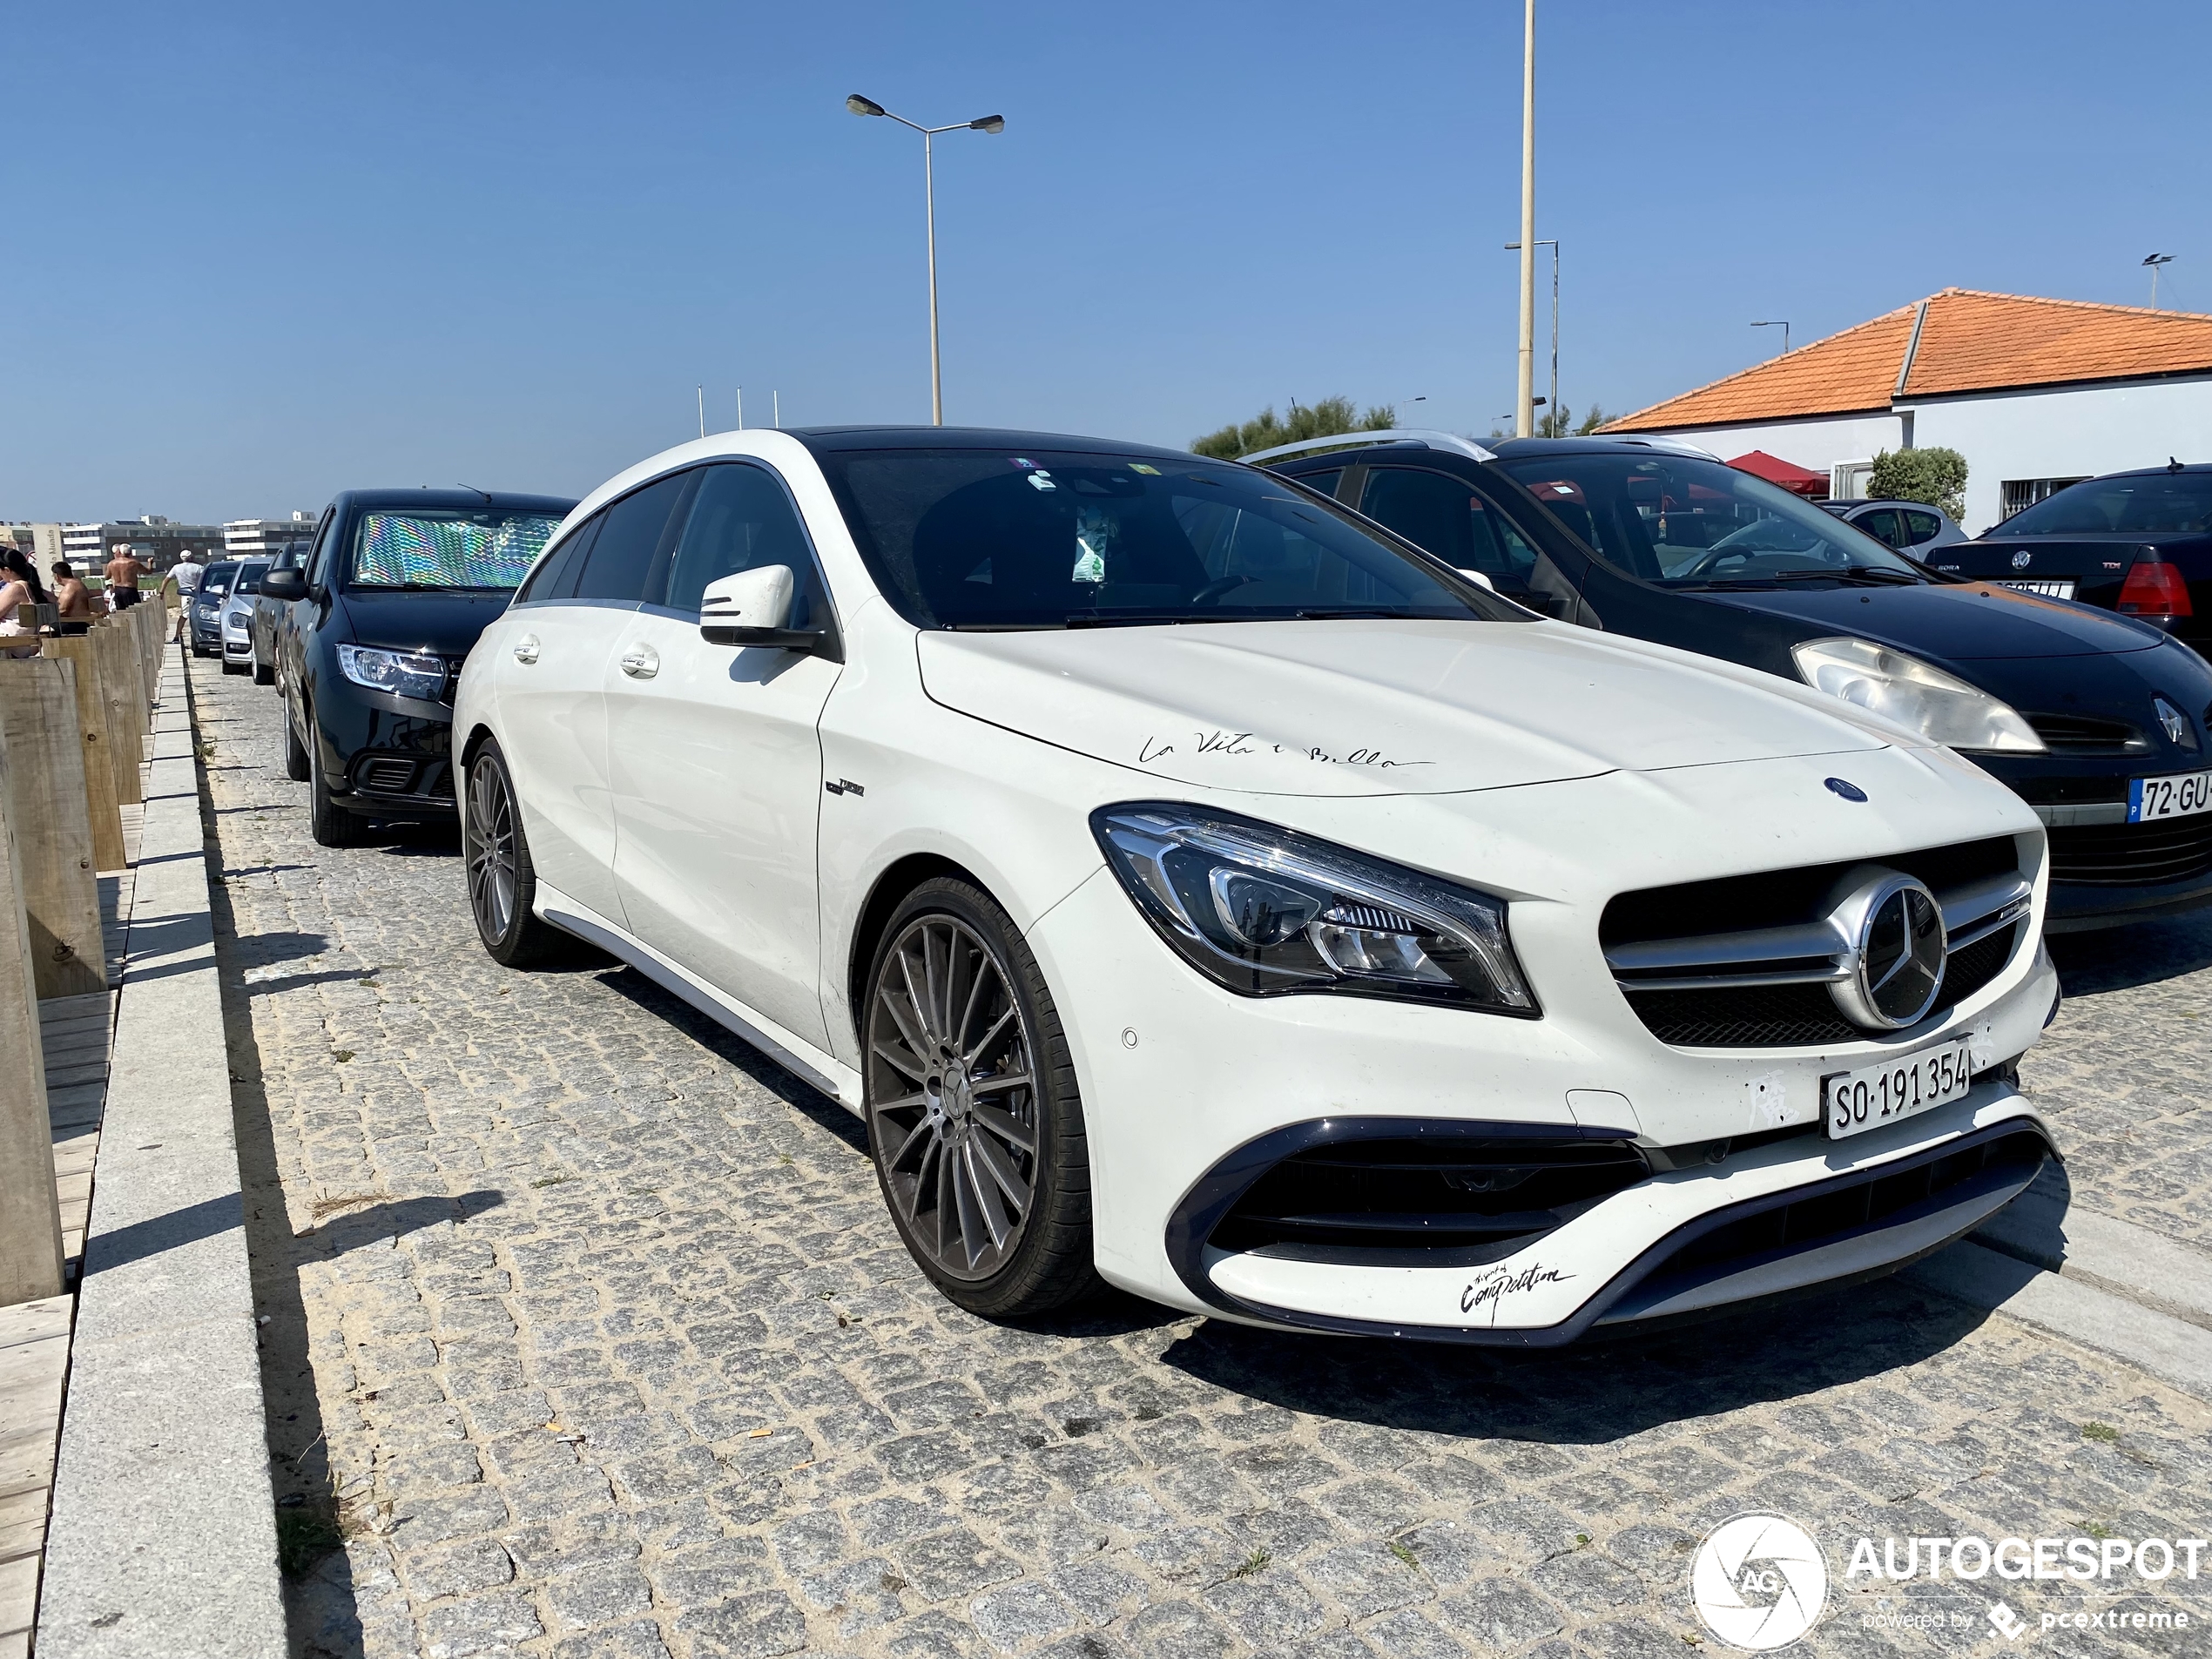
{"x": 1322, "y": 420}
{"x": 1936, "y": 476}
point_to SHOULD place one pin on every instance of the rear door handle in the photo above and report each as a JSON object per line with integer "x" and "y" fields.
{"x": 641, "y": 662}
{"x": 526, "y": 649}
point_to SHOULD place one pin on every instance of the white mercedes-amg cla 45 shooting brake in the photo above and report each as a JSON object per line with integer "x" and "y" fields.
{"x": 1192, "y": 886}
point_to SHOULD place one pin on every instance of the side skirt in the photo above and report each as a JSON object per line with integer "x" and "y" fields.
{"x": 825, "y": 1071}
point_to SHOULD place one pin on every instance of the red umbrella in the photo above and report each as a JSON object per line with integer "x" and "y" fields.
{"x": 1795, "y": 479}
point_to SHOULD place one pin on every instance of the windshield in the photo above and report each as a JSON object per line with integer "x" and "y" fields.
{"x": 1686, "y": 522}
{"x": 1046, "y": 539}
{"x": 2172, "y": 501}
{"x": 218, "y": 579}
{"x": 448, "y": 549}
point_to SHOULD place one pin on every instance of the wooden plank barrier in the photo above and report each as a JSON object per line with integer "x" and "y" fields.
{"x": 44, "y": 780}
{"x": 120, "y": 691}
{"x": 101, "y": 800}
{"x": 30, "y": 1219}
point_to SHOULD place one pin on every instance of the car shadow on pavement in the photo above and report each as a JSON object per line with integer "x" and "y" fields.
{"x": 1595, "y": 1391}
{"x": 2145, "y": 953}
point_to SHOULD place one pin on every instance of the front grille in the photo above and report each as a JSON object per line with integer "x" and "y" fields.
{"x": 1807, "y": 1224}
{"x": 1479, "y": 1199}
{"x": 2082, "y": 734}
{"x": 2129, "y": 855}
{"x": 1761, "y": 979}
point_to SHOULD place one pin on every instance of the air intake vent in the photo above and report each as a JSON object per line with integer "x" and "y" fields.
{"x": 2081, "y": 734}
{"x": 385, "y": 777}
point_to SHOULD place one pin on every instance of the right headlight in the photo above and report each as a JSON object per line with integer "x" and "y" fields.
{"x": 1264, "y": 910}
{"x": 1940, "y": 708}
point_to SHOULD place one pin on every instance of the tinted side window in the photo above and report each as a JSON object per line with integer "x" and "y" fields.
{"x": 1920, "y": 527}
{"x": 555, "y": 577}
{"x": 1436, "y": 511}
{"x": 622, "y": 558}
{"x": 742, "y": 520}
{"x": 1881, "y": 523}
{"x": 318, "y": 558}
{"x": 1327, "y": 482}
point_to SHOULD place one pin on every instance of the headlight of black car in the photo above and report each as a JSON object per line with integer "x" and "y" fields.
{"x": 403, "y": 673}
{"x": 1264, "y": 910}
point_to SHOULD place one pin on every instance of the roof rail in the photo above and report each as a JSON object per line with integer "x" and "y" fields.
{"x": 1425, "y": 439}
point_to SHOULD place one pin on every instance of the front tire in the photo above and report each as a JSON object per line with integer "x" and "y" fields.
{"x": 975, "y": 1123}
{"x": 329, "y": 823}
{"x": 295, "y": 753}
{"x": 502, "y": 882}
{"x": 264, "y": 673}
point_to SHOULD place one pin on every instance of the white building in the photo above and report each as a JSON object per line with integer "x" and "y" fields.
{"x": 261, "y": 538}
{"x": 2035, "y": 394}
{"x": 154, "y": 539}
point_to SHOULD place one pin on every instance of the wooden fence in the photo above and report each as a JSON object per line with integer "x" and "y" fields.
{"x": 74, "y": 727}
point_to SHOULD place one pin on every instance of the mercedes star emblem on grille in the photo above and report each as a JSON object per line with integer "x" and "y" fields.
{"x": 1897, "y": 934}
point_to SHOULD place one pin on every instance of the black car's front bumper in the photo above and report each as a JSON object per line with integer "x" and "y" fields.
{"x": 386, "y": 756}
{"x": 2104, "y": 870}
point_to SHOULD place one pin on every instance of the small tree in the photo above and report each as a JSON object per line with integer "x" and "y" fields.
{"x": 1322, "y": 420}
{"x": 1937, "y": 476}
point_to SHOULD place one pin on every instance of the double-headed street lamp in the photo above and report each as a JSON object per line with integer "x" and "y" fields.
{"x": 860, "y": 105}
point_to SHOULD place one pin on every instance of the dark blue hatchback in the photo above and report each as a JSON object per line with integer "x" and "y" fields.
{"x": 2099, "y": 721}
{"x": 397, "y": 586}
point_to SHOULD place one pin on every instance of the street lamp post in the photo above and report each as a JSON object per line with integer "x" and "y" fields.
{"x": 2155, "y": 261}
{"x": 1552, "y": 243}
{"x": 1783, "y": 327}
{"x": 860, "y": 105}
{"x": 1524, "y": 405}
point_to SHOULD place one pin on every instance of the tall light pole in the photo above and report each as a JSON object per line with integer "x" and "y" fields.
{"x": 860, "y": 105}
{"x": 2155, "y": 261}
{"x": 1524, "y": 405}
{"x": 1552, "y": 243}
{"x": 1783, "y": 327}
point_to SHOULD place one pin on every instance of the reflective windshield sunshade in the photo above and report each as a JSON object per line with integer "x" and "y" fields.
{"x": 1265, "y": 910}
{"x": 456, "y": 551}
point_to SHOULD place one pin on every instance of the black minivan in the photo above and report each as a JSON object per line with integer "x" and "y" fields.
{"x": 2102, "y": 722}
{"x": 398, "y": 584}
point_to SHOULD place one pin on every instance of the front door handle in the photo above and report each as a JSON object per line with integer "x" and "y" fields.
{"x": 641, "y": 662}
{"x": 526, "y": 649}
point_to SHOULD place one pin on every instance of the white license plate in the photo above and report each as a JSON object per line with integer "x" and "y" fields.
{"x": 2178, "y": 796}
{"x": 2048, "y": 589}
{"x": 1854, "y": 1101}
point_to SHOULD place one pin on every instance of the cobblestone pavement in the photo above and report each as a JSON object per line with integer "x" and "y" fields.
{"x": 587, "y": 1335}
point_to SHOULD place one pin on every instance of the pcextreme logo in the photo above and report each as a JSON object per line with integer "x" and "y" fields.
{"x": 1758, "y": 1582}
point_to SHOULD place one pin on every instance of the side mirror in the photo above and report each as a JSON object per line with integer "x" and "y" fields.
{"x": 285, "y": 584}
{"x": 1480, "y": 580}
{"x": 752, "y": 608}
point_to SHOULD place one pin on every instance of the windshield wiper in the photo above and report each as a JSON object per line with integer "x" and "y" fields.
{"x": 1355, "y": 612}
{"x": 1149, "y": 618}
{"x": 1878, "y": 575}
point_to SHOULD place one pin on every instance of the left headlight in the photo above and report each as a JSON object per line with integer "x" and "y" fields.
{"x": 1940, "y": 708}
{"x": 403, "y": 673}
{"x": 1264, "y": 910}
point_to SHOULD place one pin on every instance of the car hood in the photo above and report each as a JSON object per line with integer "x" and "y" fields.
{"x": 1959, "y": 622}
{"x": 1382, "y": 707}
{"x": 445, "y": 623}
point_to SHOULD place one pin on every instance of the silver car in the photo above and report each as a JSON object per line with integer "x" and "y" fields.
{"x": 1911, "y": 527}
{"x": 236, "y": 623}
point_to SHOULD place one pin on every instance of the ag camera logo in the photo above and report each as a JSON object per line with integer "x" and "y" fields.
{"x": 1759, "y": 1581}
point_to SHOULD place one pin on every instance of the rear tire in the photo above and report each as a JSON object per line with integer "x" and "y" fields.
{"x": 987, "y": 1179}
{"x": 330, "y": 824}
{"x": 230, "y": 667}
{"x": 295, "y": 753}
{"x": 502, "y": 882}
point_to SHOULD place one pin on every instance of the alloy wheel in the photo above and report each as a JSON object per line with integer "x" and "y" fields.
{"x": 952, "y": 1097}
{"x": 490, "y": 849}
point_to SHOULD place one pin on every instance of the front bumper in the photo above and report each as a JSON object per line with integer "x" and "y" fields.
{"x": 2106, "y": 872}
{"x": 1182, "y": 1079}
{"x": 386, "y": 756}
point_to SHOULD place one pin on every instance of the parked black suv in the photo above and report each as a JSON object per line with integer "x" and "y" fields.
{"x": 2102, "y": 722}
{"x": 398, "y": 584}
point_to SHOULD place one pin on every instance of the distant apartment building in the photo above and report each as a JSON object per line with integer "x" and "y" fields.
{"x": 154, "y": 539}
{"x": 261, "y": 539}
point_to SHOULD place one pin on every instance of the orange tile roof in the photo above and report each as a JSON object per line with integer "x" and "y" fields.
{"x": 1971, "y": 341}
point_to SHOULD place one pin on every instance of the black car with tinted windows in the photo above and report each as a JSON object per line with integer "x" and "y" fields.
{"x": 2136, "y": 543}
{"x": 2098, "y": 721}
{"x": 397, "y": 585}
{"x": 204, "y": 607}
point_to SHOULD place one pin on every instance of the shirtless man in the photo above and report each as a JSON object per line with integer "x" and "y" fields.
{"x": 73, "y": 599}
{"x": 122, "y": 573}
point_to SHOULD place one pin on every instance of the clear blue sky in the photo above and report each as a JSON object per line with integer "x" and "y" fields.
{"x": 255, "y": 254}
